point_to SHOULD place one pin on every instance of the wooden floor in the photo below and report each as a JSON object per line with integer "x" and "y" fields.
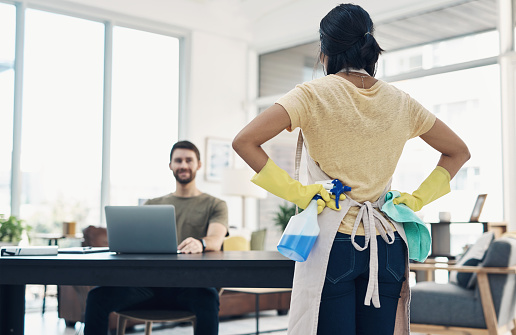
{"x": 48, "y": 323}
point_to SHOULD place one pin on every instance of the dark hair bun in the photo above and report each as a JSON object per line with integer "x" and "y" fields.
{"x": 347, "y": 40}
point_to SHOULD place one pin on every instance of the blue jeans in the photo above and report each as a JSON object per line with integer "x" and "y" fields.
{"x": 204, "y": 302}
{"x": 342, "y": 310}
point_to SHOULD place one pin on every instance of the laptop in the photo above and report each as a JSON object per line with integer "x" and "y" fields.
{"x": 142, "y": 229}
{"x": 477, "y": 209}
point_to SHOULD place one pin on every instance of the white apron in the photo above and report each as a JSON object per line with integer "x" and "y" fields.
{"x": 309, "y": 276}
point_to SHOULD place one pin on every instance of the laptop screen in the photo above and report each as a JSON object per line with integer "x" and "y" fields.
{"x": 142, "y": 229}
{"x": 477, "y": 209}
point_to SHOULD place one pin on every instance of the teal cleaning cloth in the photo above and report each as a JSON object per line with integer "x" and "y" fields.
{"x": 418, "y": 236}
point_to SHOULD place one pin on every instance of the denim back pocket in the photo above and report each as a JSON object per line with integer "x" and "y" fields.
{"x": 396, "y": 258}
{"x": 342, "y": 259}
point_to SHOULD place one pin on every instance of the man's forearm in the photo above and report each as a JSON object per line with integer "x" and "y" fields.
{"x": 215, "y": 236}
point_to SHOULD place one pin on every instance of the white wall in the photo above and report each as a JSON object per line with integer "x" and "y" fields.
{"x": 217, "y": 95}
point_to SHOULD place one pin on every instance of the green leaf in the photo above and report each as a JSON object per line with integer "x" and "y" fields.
{"x": 11, "y": 229}
{"x": 283, "y": 215}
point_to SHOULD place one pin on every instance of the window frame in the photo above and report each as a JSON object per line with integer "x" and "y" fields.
{"x": 109, "y": 20}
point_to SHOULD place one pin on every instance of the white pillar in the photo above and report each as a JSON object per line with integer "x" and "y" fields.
{"x": 16, "y": 175}
{"x": 506, "y": 23}
{"x": 106, "y": 126}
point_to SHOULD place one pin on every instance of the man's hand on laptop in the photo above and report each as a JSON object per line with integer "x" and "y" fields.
{"x": 190, "y": 246}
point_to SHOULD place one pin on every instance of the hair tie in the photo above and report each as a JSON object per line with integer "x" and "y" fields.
{"x": 368, "y": 33}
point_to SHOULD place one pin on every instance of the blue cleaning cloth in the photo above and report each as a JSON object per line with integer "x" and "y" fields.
{"x": 418, "y": 236}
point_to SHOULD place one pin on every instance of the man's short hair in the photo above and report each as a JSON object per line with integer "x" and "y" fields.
{"x": 185, "y": 145}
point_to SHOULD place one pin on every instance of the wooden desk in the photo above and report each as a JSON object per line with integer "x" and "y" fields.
{"x": 212, "y": 269}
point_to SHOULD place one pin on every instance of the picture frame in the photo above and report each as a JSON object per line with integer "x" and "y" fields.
{"x": 219, "y": 156}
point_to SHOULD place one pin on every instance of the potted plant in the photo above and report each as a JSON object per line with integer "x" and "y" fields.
{"x": 286, "y": 211}
{"x": 11, "y": 229}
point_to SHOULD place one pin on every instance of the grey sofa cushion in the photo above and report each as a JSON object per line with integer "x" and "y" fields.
{"x": 446, "y": 304}
{"x": 472, "y": 257}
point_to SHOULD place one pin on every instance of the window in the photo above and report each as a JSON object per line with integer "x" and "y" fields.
{"x": 452, "y": 51}
{"x": 144, "y": 114}
{"x": 7, "y": 40}
{"x": 62, "y": 116}
{"x": 62, "y": 121}
{"x": 468, "y": 101}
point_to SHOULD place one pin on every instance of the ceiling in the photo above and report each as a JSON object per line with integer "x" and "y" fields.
{"x": 268, "y": 25}
{"x": 459, "y": 19}
{"x": 426, "y": 26}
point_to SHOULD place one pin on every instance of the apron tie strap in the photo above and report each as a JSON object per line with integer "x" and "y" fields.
{"x": 373, "y": 221}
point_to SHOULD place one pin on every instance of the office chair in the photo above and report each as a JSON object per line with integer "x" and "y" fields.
{"x": 258, "y": 239}
{"x": 151, "y": 315}
{"x": 236, "y": 243}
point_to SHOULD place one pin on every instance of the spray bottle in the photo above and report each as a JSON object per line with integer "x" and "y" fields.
{"x": 302, "y": 229}
{"x": 300, "y": 234}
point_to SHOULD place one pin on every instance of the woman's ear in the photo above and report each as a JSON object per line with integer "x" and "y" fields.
{"x": 322, "y": 57}
{"x": 323, "y": 60}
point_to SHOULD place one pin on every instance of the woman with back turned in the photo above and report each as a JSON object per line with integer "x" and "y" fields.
{"x": 354, "y": 128}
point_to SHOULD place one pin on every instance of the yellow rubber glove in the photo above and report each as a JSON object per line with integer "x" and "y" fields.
{"x": 277, "y": 181}
{"x": 320, "y": 205}
{"x": 331, "y": 203}
{"x": 435, "y": 186}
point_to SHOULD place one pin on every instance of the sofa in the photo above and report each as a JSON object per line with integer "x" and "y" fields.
{"x": 479, "y": 299}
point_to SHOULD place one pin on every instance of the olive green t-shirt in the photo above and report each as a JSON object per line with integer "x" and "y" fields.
{"x": 355, "y": 134}
{"x": 194, "y": 214}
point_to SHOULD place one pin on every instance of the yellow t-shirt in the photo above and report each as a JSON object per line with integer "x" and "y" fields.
{"x": 355, "y": 135}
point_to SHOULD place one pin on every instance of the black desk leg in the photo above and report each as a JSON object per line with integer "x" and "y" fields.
{"x": 51, "y": 241}
{"x": 257, "y": 314}
{"x": 12, "y": 309}
{"x": 44, "y": 299}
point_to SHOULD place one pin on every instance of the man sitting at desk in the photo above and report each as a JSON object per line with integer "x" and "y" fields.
{"x": 202, "y": 224}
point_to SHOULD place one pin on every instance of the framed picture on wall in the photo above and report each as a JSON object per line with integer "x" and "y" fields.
{"x": 219, "y": 155}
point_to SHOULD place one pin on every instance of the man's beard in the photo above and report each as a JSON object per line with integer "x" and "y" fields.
{"x": 184, "y": 180}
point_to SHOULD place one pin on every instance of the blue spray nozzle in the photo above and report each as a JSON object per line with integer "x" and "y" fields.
{"x": 334, "y": 187}
{"x": 317, "y": 197}
{"x": 337, "y": 189}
